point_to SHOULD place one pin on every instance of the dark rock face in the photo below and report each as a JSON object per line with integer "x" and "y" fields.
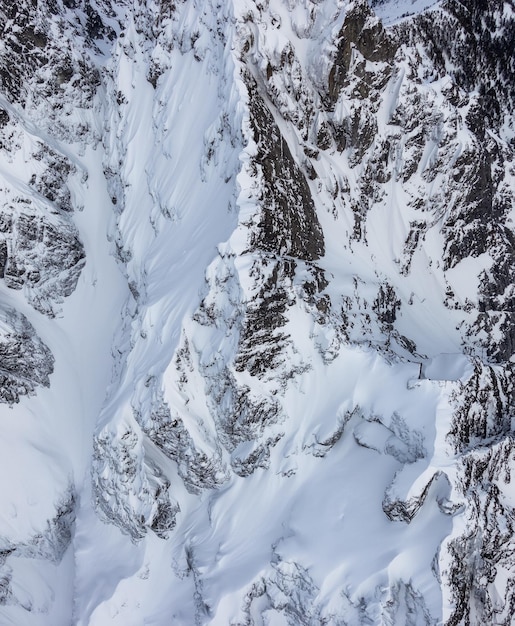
{"x": 33, "y": 54}
{"x": 25, "y": 361}
{"x": 482, "y": 424}
{"x": 42, "y": 255}
{"x": 289, "y": 225}
{"x": 51, "y": 183}
{"x": 486, "y": 548}
{"x": 482, "y": 55}
{"x": 23, "y": 39}
{"x": 481, "y": 435}
{"x": 471, "y": 200}
{"x": 485, "y": 406}
{"x": 476, "y": 221}
{"x": 364, "y": 33}
{"x": 42, "y": 83}
{"x": 261, "y": 340}
{"x": 128, "y": 490}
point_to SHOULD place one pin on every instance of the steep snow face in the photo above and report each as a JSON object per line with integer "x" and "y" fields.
{"x": 257, "y": 326}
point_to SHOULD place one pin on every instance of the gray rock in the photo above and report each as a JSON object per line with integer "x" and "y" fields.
{"x": 25, "y": 361}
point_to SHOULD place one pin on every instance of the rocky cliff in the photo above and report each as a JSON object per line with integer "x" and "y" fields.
{"x": 258, "y": 314}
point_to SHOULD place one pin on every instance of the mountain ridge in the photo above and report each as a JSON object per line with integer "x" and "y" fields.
{"x": 260, "y": 259}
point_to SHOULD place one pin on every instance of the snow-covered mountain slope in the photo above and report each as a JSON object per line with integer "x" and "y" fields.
{"x": 257, "y": 312}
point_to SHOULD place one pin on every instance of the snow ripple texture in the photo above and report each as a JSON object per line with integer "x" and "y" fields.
{"x": 257, "y": 318}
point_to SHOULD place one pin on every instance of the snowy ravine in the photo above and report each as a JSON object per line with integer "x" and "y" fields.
{"x": 257, "y": 312}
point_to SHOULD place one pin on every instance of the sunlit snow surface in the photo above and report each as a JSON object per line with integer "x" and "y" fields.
{"x": 170, "y": 202}
{"x": 391, "y": 11}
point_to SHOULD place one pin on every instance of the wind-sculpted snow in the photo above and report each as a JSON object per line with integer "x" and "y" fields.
{"x": 256, "y": 262}
{"x": 49, "y": 544}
